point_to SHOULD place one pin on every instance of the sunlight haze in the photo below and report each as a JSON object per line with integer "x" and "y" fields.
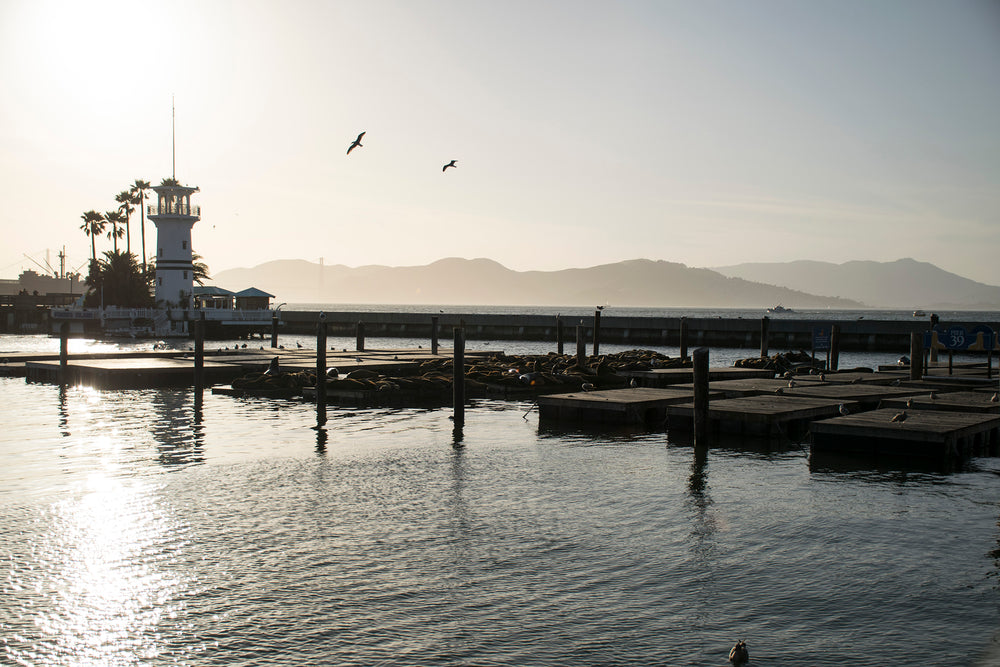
{"x": 707, "y": 133}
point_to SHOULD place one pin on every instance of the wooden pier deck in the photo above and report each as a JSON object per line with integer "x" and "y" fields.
{"x": 134, "y": 373}
{"x": 933, "y": 435}
{"x": 952, "y": 401}
{"x": 762, "y": 415}
{"x": 639, "y": 405}
{"x": 868, "y": 396}
{"x": 665, "y": 377}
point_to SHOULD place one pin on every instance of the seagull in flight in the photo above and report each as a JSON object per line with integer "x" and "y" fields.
{"x": 450, "y": 164}
{"x": 355, "y": 143}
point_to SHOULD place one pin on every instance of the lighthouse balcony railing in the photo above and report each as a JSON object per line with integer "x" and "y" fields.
{"x": 173, "y": 209}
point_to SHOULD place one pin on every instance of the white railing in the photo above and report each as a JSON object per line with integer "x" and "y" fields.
{"x": 173, "y": 209}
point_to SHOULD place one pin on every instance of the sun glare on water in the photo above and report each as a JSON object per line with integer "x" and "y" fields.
{"x": 110, "y": 553}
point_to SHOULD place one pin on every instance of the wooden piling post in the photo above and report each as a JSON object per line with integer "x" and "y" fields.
{"x": 581, "y": 346}
{"x": 63, "y": 352}
{"x": 933, "y": 352}
{"x": 559, "y": 335}
{"x": 458, "y": 376}
{"x": 361, "y": 337}
{"x": 274, "y": 330}
{"x": 765, "y": 330}
{"x": 199, "y": 351}
{"x": 700, "y": 363}
{"x": 597, "y": 332}
{"x": 434, "y": 334}
{"x": 834, "y": 347}
{"x": 683, "y": 335}
{"x": 916, "y": 355}
{"x": 321, "y": 370}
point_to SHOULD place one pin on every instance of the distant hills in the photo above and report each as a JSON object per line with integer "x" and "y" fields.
{"x": 455, "y": 281}
{"x": 904, "y": 283}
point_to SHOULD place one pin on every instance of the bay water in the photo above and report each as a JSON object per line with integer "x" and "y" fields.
{"x": 165, "y": 527}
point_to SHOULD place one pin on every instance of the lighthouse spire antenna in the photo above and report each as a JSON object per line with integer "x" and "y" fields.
{"x": 173, "y": 140}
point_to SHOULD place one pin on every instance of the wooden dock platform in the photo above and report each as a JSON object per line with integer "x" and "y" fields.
{"x": 867, "y": 396}
{"x": 131, "y": 373}
{"x": 665, "y": 377}
{"x": 762, "y": 415}
{"x": 639, "y": 405}
{"x": 952, "y": 401}
{"x": 933, "y": 435}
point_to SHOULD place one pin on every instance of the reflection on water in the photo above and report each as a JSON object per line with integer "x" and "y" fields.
{"x": 177, "y": 426}
{"x": 99, "y": 578}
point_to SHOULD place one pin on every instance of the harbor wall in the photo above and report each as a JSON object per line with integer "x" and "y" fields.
{"x": 783, "y": 333}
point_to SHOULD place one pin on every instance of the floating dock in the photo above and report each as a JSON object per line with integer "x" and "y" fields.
{"x": 639, "y": 405}
{"x": 134, "y": 373}
{"x": 666, "y": 377}
{"x": 762, "y": 415}
{"x": 936, "y": 436}
{"x": 952, "y": 401}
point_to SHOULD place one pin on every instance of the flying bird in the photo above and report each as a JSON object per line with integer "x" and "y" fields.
{"x": 450, "y": 164}
{"x": 355, "y": 143}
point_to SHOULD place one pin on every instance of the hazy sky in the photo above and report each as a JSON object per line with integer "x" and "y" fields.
{"x": 701, "y": 132}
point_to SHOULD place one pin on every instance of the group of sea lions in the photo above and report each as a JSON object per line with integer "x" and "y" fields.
{"x": 524, "y": 374}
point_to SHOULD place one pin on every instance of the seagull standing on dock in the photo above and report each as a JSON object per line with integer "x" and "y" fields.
{"x": 450, "y": 164}
{"x": 843, "y": 409}
{"x": 355, "y": 144}
{"x": 899, "y": 417}
{"x": 995, "y": 397}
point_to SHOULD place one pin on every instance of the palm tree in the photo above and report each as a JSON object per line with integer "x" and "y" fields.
{"x": 117, "y": 280}
{"x": 93, "y": 224}
{"x": 138, "y": 191}
{"x": 200, "y": 272}
{"x": 124, "y": 199}
{"x": 114, "y": 218}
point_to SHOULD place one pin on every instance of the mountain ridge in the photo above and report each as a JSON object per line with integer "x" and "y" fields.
{"x": 902, "y": 283}
{"x": 456, "y": 281}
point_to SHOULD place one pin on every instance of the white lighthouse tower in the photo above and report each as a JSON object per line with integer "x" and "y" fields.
{"x": 174, "y": 216}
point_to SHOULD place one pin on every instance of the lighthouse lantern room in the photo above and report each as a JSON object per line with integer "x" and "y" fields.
{"x": 174, "y": 216}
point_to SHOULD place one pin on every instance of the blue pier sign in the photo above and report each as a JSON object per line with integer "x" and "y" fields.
{"x": 821, "y": 338}
{"x": 977, "y": 338}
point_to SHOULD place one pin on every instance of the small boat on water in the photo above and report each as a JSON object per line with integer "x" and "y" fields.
{"x": 780, "y": 309}
{"x": 919, "y": 313}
